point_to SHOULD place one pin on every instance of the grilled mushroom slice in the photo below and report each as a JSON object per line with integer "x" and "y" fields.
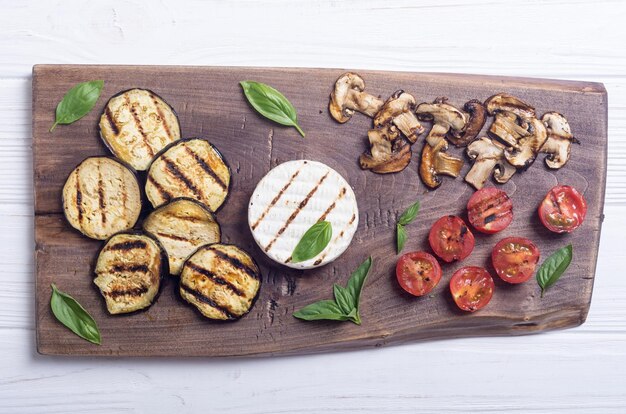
{"x": 221, "y": 281}
{"x": 559, "y": 140}
{"x": 182, "y": 226}
{"x": 436, "y": 162}
{"x": 397, "y": 112}
{"x": 136, "y": 124}
{"x": 524, "y": 154}
{"x": 101, "y": 197}
{"x": 191, "y": 168}
{"x": 129, "y": 271}
{"x": 477, "y": 117}
{"x": 447, "y": 120}
{"x": 388, "y": 152}
{"x": 488, "y": 156}
{"x": 508, "y": 103}
{"x": 349, "y": 96}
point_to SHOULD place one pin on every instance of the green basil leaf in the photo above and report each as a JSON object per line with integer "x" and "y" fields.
{"x": 343, "y": 299}
{"x": 553, "y": 267}
{"x": 271, "y": 104}
{"x": 356, "y": 282}
{"x": 77, "y": 102}
{"x": 71, "y": 314}
{"x": 324, "y": 309}
{"x": 409, "y": 214}
{"x": 312, "y": 242}
{"x": 400, "y": 237}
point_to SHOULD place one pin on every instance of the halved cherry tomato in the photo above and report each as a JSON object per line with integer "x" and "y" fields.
{"x": 450, "y": 239}
{"x": 563, "y": 210}
{"x": 490, "y": 210}
{"x": 515, "y": 259}
{"x": 418, "y": 273}
{"x": 471, "y": 288}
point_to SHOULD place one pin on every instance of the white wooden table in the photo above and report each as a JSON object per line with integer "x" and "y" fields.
{"x": 582, "y": 370}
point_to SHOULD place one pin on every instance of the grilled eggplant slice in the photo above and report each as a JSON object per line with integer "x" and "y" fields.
{"x": 221, "y": 280}
{"x": 182, "y": 226}
{"x": 101, "y": 197}
{"x": 136, "y": 124}
{"x": 129, "y": 271}
{"x": 191, "y": 168}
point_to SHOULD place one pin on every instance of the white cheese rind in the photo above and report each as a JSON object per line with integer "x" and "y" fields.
{"x": 290, "y": 199}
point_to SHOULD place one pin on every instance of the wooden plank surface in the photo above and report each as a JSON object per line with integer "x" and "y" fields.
{"x": 210, "y": 104}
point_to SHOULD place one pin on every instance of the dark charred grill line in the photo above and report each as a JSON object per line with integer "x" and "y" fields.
{"x": 207, "y": 168}
{"x": 352, "y": 219}
{"x": 199, "y": 296}
{"x": 340, "y": 235}
{"x": 191, "y": 219}
{"x": 128, "y": 267}
{"x": 275, "y": 199}
{"x": 291, "y": 218}
{"x": 129, "y": 245}
{"x": 178, "y": 174}
{"x": 173, "y": 237}
{"x": 164, "y": 193}
{"x": 112, "y": 124}
{"x": 236, "y": 263}
{"x": 215, "y": 278}
{"x": 138, "y": 124}
{"x": 79, "y": 199}
{"x": 138, "y": 291}
{"x": 101, "y": 201}
{"x": 163, "y": 120}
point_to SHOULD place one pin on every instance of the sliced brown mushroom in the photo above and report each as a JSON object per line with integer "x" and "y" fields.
{"x": 488, "y": 156}
{"x": 507, "y": 103}
{"x": 388, "y": 153}
{"x": 348, "y": 96}
{"x": 477, "y": 117}
{"x": 507, "y": 129}
{"x": 527, "y": 147}
{"x": 435, "y": 162}
{"x": 447, "y": 120}
{"x": 397, "y": 111}
{"x": 559, "y": 140}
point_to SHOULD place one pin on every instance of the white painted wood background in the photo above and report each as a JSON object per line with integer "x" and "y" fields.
{"x": 582, "y": 370}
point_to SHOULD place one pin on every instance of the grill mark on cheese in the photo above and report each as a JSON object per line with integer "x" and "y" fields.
{"x": 101, "y": 201}
{"x": 215, "y": 278}
{"x": 207, "y": 168}
{"x": 166, "y": 127}
{"x": 128, "y": 245}
{"x": 173, "y": 237}
{"x": 164, "y": 193}
{"x": 236, "y": 263}
{"x": 129, "y": 267}
{"x": 79, "y": 199}
{"x": 297, "y": 211}
{"x": 138, "y": 124}
{"x": 111, "y": 120}
{"x": 138, "y": 291}
{"x": 208, "y": 301}
{"x": 275, "y": 199}
{"x": 339, "y": 236}
{"x": 180, "y": 176}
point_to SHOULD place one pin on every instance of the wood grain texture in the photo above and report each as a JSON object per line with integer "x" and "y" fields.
{"x": 210, "y": 104}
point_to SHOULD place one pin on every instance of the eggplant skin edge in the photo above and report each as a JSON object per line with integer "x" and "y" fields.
{"x": 252, "y": 302}
{"x": 137, "y": 180}
{"x": 219, "y": 154}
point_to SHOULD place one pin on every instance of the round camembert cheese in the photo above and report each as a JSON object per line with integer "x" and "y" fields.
{"x": 290, "y": 199}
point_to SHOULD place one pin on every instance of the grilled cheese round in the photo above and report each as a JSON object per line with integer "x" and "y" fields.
{"x": 137, "y": 124}
{"x": 221, "y": 281}
{"x": 128, "y": 272}
{"x": 101, "y": 197}
{"x": 191, "y": 168}
{"x": 182, "y": 226}
{"x": 290, "y": 199}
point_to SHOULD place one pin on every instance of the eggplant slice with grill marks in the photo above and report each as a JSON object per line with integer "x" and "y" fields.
{"x": 136, "y": 124}
{"x": 101, "y": 197}
{"x": 129, "y": 271}
{"x": 182, "y": 226}
{"x": 221, "y": 281}
{"x": 191, "y": 168}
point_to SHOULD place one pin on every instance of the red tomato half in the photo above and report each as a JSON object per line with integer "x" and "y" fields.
{"x": 471, "y": 288}
{"x": 490, "y": 210}
{"x": 515, "y": 259}
{"x": 563, "y": 210}
{"x": 418, "y": 273}
{"x": 450, "y": 239}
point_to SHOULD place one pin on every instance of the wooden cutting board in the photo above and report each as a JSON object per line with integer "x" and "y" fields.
{"x": 210, "y": 104}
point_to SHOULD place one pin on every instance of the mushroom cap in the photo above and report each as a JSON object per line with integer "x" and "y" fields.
{"x": 559, "y": 142}
{"x": 442, "y": 114}
{"x": 475, "y": 122}
{"x": 557, "y": 125}
{"x": 340, "y": 95}
{"x": 508, "y": 103}
{"x": 528, "y": 146}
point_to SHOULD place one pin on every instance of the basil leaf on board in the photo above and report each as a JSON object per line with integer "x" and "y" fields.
{"x": 271, "y": 104}
{"x": 77, "y": 102}
{"x": 409, "y": 214}
{"x": 345, "y": 307}
{"x": 313, "y": 241}
{"x": 553, "y": 267}
{"x": 71, "y": 314}
{"x": 400, "y": 237}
